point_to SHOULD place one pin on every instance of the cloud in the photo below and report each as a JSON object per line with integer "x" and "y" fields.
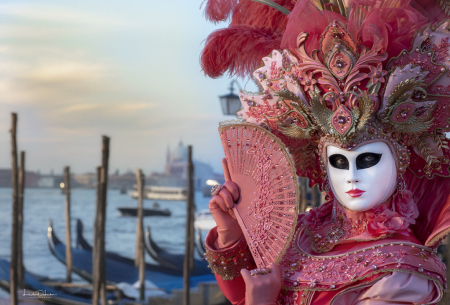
{"x": 34, "y": 21}
{"x": 80, "y": 108}
{"x": 133, "y": 106}
{"x": 65, "y": 72}
{"x": 118, "y": 116}
{"x": 55, "y": 14}
{"x": 71, "y": 93}
{"x": 43, "y": 93}
{"x": 33, "y": 32}
{"x": 74, "y": 72}
{"x": 51, "y": 75}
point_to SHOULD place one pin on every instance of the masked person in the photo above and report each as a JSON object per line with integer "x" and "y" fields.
{"x": 360, "y": 95}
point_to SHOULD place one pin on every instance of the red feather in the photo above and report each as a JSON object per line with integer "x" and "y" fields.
{"x": 219, "y": 10}
{"x": 255, "y": 30}
{"x": 260, "y": 15}
{"x": 237, "y": 49}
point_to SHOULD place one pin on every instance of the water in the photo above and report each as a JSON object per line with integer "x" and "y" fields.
{"x": 42, "y": 204}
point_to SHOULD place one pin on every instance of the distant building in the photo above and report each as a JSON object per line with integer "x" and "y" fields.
{"x": 87, "y": 180}
{"x": 175, "y": 170}
{"x": 5, "y": 178}
{"x": 50, "y": 181}
{"x": 124, "y": 181}
{"x": 31, "y": 178}
{"x": 175, "y": 174}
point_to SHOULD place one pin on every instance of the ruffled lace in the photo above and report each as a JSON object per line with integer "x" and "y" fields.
{"x": 331, "y": 223}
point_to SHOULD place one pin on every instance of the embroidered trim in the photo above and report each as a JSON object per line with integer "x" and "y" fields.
{"x": 375, "y": 223}
{"x": 431, "y": 176}
{"x": 229, "y": 264}
{"x": 368, "y": 284}
{"x": 387, "y": 272}
{"x": 439, "y": 236}
{"x": 382, "y": 273}
{"x": 331, "y": 245}
{"x": 302, "y": 253}
{"x": 445, "y": 7}
{"x": 314, "y": 273}
{"x": 297, "y": 297}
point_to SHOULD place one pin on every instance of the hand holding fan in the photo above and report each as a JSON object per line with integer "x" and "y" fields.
{"x": 267, "y": 208}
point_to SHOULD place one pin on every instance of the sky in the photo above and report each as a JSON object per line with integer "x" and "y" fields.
{"x": 76, "y": 70}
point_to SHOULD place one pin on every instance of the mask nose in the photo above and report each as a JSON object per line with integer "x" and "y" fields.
{"x": 353, "y": 176}
{"x": 352, "y": 181}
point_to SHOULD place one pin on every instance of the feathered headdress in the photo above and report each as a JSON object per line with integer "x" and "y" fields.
{"x": 343, "y": 74}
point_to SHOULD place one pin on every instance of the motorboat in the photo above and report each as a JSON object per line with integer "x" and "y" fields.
{"x": 154, "y": 211}
{"x": 204, "y": 220}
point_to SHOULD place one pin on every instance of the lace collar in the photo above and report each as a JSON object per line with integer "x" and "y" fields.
{"x": 332, "y": 223}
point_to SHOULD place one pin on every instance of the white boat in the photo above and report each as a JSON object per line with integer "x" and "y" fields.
{"x": 204, "y": 220}
{"x": 161, "y": 193}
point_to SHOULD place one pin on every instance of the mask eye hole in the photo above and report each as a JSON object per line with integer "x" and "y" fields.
{"x": 367, "y": 160}
{"x": 338, "y": 161}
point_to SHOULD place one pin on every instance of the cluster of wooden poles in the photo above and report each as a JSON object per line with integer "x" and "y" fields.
{"x": 17, "y": 280}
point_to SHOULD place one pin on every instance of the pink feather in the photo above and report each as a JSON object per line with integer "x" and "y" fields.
{"x": 237, "y": 49}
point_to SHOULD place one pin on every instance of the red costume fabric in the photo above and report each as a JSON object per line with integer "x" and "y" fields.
{"x": 354, "y": 270}
{"x": 347, "y": 73}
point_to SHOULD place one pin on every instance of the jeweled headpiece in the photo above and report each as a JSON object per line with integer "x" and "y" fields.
{"x": 374, "y": 76}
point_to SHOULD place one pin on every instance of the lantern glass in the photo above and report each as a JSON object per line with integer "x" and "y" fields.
{"x": 230, "y": 104}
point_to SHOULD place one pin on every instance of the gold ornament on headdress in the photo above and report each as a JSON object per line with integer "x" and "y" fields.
{"x": 341, "y": 92}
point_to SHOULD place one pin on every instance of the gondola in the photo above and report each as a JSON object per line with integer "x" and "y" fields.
{"x": 36, "y": 288}
{"x": 121, "y": 269}
{"x": 169, "y": 260}
{"x": 130, "y": 211}
{"x": 199, "y": 243}
{"x": 172, "y": 263}
{"x": 84, "y": 247}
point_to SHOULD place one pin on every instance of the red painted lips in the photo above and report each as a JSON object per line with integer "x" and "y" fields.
{"x": 355, "y": 193}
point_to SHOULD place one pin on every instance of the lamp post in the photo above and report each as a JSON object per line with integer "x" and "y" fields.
{"x": 230, "y": 102}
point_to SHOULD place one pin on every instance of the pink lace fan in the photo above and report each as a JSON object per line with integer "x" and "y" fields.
{"x": 267, "y": 209}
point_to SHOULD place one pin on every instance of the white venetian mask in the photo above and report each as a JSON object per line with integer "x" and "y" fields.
{"x": 363, "y": 178}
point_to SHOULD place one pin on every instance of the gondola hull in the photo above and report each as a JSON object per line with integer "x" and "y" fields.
{"x": 120, "y": 269}
{"x": 170, "y": 260}
{"x": 166, "y": 260}
{"x": 41, "y": 291}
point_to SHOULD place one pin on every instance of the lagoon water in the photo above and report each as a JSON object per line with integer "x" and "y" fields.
{"x": 42, "y": 204}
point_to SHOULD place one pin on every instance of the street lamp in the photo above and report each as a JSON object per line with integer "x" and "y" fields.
{"x": 230, "y": 102}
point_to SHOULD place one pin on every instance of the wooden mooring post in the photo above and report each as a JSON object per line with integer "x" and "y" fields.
{"x": 302, "y": 188}
{"x": 15, "y": 208}
{"x": 140, "y": 254}
{"x": 20, "y": 268}
{"x": 189, "y": 249}
{"x": 315, "y": 196}
{"x": 68, "y": 231}
{"x": 95, "y": 249}
{"x": 99, "y": 267}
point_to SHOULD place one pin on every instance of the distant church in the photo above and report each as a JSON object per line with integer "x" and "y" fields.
{"x": 175, "y": 170}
